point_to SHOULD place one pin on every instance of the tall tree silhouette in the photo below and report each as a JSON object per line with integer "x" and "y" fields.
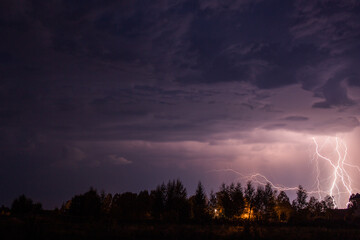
{"x": 258, "y": 208}
{"x": 300, "y": 202}
{"x": 213, "y": 205}
{"x": 106, "y": 200}
{"x": 176, "y": 204}
{"x": 143, "y": 202}
{"x": 313, "y": 207}
{"x": 269, "y": 202}
{"x": 283, "y": 207}
{"x": 250, "y": 197}
{"x": 237, "y": 197}
{"x": 282, "y": 198}
{"x": 87, "y": 204}
{"x": 199, "y": 203}
{"x": 224, "y": 201}
{"x": 158, "y": 197}
{"x": 124, "y": 206}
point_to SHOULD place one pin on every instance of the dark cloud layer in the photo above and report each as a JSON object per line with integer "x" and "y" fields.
{"x": 74, "y": 73}
{"x": 296, "y": 118}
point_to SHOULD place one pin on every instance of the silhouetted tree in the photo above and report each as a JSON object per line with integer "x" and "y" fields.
{"x": 237, "y": 197}
{"x": 300, "y": 202}
{"x": 24, "y": 205}
{"x": 328, "y": 202}
{"x": 258, "y": 206}
{"x": 312, "y": 207}
{"x": 158, "y": 197}
{"x": 87, "y": 204}
{"x": 124, "y": 206}
{"x": 176, "y": 205}
{"x": 354, "y": 201}
{"x": 283, "y": 206}
{"x": 283, "y": 199}
{"x": 115, "y": 209}
{"x": 230, "y": 200}
{"x": 319, "y": 209}
{"x": 143, "y": 205}
{"x": 199, "y": 204}
{"x": 106, "y": 200}
{"x": 224, "y": 201}
{"x": 250, "y": 197}
{"x": 264, "y": 204}
{"x": 269, "y": 202}
{"x": 213, "y": 205}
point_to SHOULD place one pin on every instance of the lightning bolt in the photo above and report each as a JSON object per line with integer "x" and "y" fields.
{"x": 256, "y": 178}
{"x": 340, "y": 176}
{"x": 333, "y": 179}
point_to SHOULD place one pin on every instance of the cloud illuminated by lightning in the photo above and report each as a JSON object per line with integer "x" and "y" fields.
{"x": 332, "y": 176}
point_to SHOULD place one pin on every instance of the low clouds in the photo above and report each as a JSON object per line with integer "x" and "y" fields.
{"x": 117, "y": 160}
{"x": 296, "y": 118}
{"x": 73, "y": 154}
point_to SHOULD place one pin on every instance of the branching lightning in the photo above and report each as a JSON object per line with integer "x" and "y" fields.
{"x": 332, "y": 172}
{"x": 340, "y": 176}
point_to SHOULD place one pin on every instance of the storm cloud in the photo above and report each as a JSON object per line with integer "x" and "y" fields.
{"x": 94, "y": 92}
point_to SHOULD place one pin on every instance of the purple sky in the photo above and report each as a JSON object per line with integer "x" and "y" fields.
{"x": 122, "y": 95}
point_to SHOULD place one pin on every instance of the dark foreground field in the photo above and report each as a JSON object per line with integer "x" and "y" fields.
{"x": 41, "y": 227}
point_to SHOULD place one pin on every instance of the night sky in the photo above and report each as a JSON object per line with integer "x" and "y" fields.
{"x": 123, "y": 95}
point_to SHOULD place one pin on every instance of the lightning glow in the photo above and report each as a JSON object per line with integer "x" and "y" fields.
{"x": 340, "y": 176}
{"x": 332, "y": 172}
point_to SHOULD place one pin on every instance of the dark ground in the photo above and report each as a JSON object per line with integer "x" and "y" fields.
{"x": 62, "y": 227}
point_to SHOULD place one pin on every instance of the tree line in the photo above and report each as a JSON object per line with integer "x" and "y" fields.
{"x": 170, "y": 202}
